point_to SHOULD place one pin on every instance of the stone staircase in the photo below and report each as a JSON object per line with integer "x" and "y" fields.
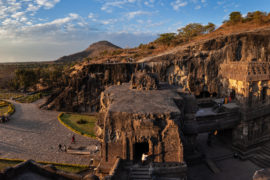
{"x": 262, "y": 157}
{"x": 139, "y": 173}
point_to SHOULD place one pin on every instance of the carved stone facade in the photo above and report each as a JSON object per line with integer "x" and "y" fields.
{"x": 250, "y": 82}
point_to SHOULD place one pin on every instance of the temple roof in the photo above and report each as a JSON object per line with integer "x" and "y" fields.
{"x": 124, "y": 99}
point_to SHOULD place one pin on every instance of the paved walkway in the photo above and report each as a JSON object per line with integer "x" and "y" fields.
{"x": 33, "y": 133}
{"x": 231, "y": 168}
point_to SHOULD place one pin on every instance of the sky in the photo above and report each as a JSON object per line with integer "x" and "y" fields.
{"x": 44, "y": 30}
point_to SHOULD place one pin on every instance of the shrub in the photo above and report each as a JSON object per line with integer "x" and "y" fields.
{"x": 82, "y": 121}
{"x": 235, "y": 17}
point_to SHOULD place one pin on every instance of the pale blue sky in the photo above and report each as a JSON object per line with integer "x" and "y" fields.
{"x": 38, "y": 30}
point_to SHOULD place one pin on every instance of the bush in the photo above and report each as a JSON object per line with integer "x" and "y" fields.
{"x": 235, "y": 17}
{"x": 166, "y": 38}
{"x": 82, "y": 121}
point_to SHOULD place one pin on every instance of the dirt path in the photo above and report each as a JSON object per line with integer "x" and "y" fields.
{"x": 33, "y": 133}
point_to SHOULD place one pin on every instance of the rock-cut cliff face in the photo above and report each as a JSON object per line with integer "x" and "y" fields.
{"x": 194, "y": 67}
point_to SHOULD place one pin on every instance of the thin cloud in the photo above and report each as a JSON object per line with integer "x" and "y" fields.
{"x": 133, "y": 14}
{"x": 178, "y": 4}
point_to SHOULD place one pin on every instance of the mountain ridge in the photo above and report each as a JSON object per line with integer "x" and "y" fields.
{"x": 92, "y": 51}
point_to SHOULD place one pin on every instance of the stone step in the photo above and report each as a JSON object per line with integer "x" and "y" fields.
{"x": 266, "y": 151}
{"x": 267, "y": 146}
{"x": 263, "y": 161}
{"x": 140, "y": 172}
{"x": 140, "y": 177}
{"x": 257, "y": 162}
{"x": 139, "y": 169}
{"x": 263, "y": 156}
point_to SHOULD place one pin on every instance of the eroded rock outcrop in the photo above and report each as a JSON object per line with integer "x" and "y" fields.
{"x": 194, "y": 67}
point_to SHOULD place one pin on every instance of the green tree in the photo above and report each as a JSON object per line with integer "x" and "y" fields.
{"x": 191, "y": 30}
{"x": 210, "y": 27}
{"x": 235, "y": 17}
{"x": 257, "y": 16}
{"x": 166, "y": 38}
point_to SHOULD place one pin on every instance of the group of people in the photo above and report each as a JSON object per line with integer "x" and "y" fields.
{"x": 64, "y": 147}
{"x": 3, "y": 119}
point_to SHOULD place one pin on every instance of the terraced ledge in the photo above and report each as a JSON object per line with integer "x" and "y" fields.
{"x": 80, "y": 124}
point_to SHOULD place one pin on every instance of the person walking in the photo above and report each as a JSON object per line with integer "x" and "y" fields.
{"x": 144, "y": 158}
{"x": 59, "y": 147}
{"x": 65, "y": 148}
{"x": 73, "y": 139}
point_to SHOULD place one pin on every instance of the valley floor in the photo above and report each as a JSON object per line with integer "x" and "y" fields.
{"x": 33, "y": 133}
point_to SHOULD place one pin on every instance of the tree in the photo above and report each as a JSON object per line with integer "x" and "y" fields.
{"x": 256, "y": 16}
{"x": 235, "y": 17}
{"x": 166, "y": 38}
{"x": 195, "y": 29}
{"x": 210, "y": 27}
{"x": 191, "y": 30}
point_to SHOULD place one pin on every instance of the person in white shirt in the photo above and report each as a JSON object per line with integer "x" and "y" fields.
{"x": 144, "y": 158}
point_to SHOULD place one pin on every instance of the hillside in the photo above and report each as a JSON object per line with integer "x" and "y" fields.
{"x": 187, "y": 65}
{"x": 92, "y": 51}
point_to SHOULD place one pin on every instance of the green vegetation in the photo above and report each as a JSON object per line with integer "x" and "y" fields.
{"x": 166, "y": 38}
{"x": 82, "y": 124}
{"x": 30, "y": 98}
{"x": 6, "y": 108}
{"x": 46, "y": 76}
{"x": 8, "y": 95}
{"x": 184, "y": 34}
{"x": 6, "y": 163}
{"x": 256, "y": 17}
{"x": 195, "y": 29}
{"x": 72, "y": 169}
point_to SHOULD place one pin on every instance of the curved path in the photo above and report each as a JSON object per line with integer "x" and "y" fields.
{"x": 33, "y": 133}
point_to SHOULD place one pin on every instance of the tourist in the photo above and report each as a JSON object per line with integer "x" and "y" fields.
{"x": 226, "y": 100}
{"x": 59, "y": 147}
{"x": 144, "y": 158}
{"x": 65, "y": 148}
{"x": 73, "y": 139}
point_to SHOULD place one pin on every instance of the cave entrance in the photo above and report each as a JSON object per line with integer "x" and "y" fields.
{"x": 204, "y": 94}
{"x": 139, "y": 149}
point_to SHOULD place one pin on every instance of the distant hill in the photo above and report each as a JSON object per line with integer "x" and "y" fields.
{"x": 93, "y": 50}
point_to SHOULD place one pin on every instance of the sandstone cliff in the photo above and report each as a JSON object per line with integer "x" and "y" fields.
{"x": 194, "y": 66}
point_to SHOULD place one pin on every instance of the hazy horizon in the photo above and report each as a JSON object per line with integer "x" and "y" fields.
{"x": 44, "y": 30}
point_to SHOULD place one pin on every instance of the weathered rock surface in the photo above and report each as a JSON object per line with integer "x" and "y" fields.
{"x": 194, "y": 67}
{"x": 150, "y": 118}
{"x": 144, "y": 81}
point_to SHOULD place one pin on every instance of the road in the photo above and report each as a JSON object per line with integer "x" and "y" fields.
{"x": 33, "y": 133}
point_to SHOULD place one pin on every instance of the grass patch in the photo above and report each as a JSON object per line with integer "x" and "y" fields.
{"x": 30, "y": 98}
{"x": 72, "y": 169}
{"x": 83, "y": 124}
{"x": 3, "y": 110}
